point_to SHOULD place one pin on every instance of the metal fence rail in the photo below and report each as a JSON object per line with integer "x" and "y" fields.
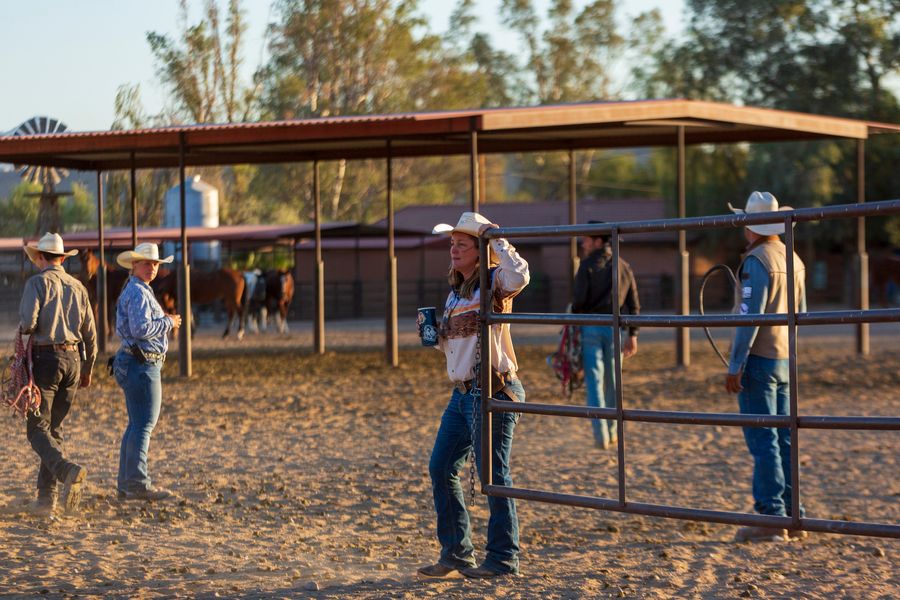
{"x": 791, "y": 319}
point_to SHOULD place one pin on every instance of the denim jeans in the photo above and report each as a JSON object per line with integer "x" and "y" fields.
{"x": 451, "y": 449}
{"x": 766, "y": 392}
{"x": 598, "y": 360}
{"x": 56, "y": 373}
{"x": 143, "y": 398}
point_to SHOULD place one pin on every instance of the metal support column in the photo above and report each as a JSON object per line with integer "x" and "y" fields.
{"x": 319, "y": 303}
{"x": 473, "y": 167}
{"x": 102, "y": 309}
{"x": 617, "y": 362}
{"x": 392, "y": 353}
{"x": 682, "y": 334}
{"x": 573, "y": 242}
{"x": 793, "y": 375}
{"x": 133, "y": 203}
{"x": 185, "y": 367}
{"x": 862, "y": 258}
{"x": 486, "y": 361}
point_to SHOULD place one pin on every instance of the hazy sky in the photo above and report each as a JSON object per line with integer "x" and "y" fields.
{"x": 66, "y": 59}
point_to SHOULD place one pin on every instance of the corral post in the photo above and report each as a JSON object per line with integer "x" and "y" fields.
{"x": 862, "y": 258}
{"x": 682, "y": 334}
{"x": 319, "y": 333}
{"x": 102, "y": 318}
{"x": 792, "y": 373}
{"x": 484, "y": 333}
{"x": 391, "y": 333}
{"x": 185, "y": 366}
{"x": 617, "y": 361}
{"x": 573, "y": 217}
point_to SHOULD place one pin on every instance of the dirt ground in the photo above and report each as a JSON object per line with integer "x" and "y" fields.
{"x": 300, "y": 475}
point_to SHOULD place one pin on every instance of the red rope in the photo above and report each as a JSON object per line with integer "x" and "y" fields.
{"x": 19, "y": 390}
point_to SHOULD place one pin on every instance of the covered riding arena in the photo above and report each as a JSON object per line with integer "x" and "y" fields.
{"x": 303, "y": 473}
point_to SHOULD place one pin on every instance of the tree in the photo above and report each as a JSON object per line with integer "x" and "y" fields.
{"x": 201, "y": 70}
{"x": 822, "y": 56}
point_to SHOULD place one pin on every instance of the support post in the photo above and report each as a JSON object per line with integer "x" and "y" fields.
{"x": 473, "y": 168}
{"x": 319, "y": 332}
{"x": 682, "y": 334}
{"x": 185, "y": 366}
{"x": 133, "y": 203}
{"x": 392, "y": 353}
{"x": 102, "y": 308}
{"x": 573, "y": 242}
{"x": 862, "y": 257}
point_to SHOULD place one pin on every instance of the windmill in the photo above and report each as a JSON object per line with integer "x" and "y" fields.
{"x": 49, "y": 177}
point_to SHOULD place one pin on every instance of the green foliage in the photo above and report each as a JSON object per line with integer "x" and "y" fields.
{"x": 18, "y": 215}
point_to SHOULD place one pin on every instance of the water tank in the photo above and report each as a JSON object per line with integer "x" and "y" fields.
{"x": 201, "y": 204}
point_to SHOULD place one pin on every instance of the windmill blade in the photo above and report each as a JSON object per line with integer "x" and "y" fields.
{"x": 38, "y": 174}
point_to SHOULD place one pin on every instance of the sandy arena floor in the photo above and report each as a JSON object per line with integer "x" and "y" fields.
{"x": 306, "y": 476}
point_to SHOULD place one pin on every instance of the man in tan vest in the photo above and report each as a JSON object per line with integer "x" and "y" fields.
{"x": 758, "y": 371}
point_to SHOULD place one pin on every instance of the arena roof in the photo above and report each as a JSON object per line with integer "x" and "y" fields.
{"x": 501, "y": 130}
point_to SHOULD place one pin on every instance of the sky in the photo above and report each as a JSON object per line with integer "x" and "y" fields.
{"x": 66, "y": 59}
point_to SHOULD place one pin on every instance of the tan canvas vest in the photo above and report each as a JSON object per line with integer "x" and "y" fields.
{"x": 772, "y": 341}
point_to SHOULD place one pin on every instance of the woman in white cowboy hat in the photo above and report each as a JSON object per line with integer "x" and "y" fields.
{"x": 459, "y": 432}
{"x": 143, "y": 328}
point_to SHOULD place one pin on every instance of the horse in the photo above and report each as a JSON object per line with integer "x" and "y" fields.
{"x": 223, "y": 284}
{"x": 279, "y": 294}
{"x": 116, "y": 278}
{"x": 267, "y": 292}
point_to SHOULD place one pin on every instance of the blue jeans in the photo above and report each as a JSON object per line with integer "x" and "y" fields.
{"x": 451, "y": 449}
{"x": 598, "y": 360}
{"x": 143, "y": 397}
{"x": 766, "y": 392}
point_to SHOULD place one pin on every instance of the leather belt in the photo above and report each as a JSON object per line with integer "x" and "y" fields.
{"x": 57, "y": 347}
{"x": 464, "y": 387}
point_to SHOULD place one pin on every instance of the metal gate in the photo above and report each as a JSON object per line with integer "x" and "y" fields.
{"x": 794, "y": 421}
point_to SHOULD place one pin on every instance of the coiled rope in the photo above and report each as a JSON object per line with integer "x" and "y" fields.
{"x": 733, "y": 279}
{"x": 19, "y": 391}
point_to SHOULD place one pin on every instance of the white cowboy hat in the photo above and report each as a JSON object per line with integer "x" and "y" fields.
{"x": 760, "y": 202}
{"x": 51, "y": 243}
{"x": 469, "y": 222}
{"x": 145, "y": 251}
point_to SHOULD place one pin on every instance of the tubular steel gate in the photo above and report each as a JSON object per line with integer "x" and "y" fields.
{"x": 792, "y": 318}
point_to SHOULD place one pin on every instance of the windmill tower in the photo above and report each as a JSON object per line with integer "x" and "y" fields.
{"x": 49, "y": 177}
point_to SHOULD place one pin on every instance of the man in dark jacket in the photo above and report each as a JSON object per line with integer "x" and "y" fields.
{"x": 56, "y": 312}
{"x": 593, "y": 294}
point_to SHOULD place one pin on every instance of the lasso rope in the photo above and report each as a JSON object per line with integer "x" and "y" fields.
{"x": 19, "y": 390}
{"x": 733, "y": 281}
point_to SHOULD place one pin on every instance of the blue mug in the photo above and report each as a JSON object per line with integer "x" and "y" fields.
{"x": 427, "y": 322}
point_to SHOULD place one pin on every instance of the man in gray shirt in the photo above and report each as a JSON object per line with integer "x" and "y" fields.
{"x": 56, "y": 312}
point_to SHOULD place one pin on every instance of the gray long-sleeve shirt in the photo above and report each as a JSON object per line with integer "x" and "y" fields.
{"x": 55, "y": 310}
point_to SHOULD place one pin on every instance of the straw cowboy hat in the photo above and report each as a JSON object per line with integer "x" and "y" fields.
{"x": 145, "y": 251}
{"x": 760, "y": 202}
{"x": 469, "y": 222}
{"x": 51, "y": 243}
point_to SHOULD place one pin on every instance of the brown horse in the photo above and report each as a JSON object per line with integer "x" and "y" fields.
{"x": 269, "y": 292}
{"x": 279, "y": 294}
{"x": 115, "y": 283}
{"x": 224, "y": 284}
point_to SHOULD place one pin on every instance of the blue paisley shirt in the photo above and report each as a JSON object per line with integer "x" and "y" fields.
{"x": 140, "y": 320}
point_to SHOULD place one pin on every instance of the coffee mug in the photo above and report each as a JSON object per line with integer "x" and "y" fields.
{"x": 427, "y": 325}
